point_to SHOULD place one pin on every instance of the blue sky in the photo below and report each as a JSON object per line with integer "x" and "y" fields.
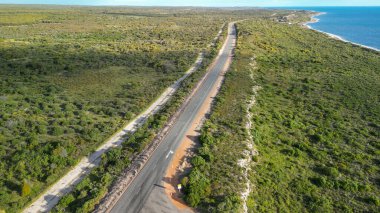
{"x": 220, "y": 3}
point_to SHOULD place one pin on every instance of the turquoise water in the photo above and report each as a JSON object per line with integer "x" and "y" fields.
{"x": 355, "y": 24}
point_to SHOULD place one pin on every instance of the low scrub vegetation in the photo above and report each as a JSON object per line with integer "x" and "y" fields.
{"x": 315, "y": 124}
{"x": 93, "y": 188}
{"x": 316, "y": 121}
{"x": 70, "y": 77}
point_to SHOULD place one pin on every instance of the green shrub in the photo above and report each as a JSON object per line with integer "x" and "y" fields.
{"x": 26, "y": 189}
{"x": 198, "y": 161}
{"x": 184, "y": 182}
{"x": 198, "y": 188}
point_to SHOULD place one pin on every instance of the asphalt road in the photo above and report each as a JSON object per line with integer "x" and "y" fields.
{"x": 151, "y": 175}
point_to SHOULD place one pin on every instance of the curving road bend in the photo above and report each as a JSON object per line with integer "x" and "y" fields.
{"x": 137, "y": 193}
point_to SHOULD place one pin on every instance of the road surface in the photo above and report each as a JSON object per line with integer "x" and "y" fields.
{"x": 151, "y": 175}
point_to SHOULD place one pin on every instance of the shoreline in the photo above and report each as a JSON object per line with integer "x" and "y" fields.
{"x": 313, "y": 19}
{"x": 333, "y": 36}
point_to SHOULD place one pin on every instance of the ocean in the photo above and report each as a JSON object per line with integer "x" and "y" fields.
{"x": 359, "y": 25}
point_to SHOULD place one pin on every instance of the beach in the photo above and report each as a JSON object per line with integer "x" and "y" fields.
{"x": 313, "y": 19}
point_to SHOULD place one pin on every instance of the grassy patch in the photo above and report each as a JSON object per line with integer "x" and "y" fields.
{"x": 17, "y": 19}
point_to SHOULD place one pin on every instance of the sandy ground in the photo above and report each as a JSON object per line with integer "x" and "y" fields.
{"x": 180, "y": 165}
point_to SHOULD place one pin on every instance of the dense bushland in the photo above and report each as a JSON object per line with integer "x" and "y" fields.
{"x": 316, "y": 126}
{"x": 316, "y": 122}
{"x": 93, "y": 188}
{"x": 70, "y": 77}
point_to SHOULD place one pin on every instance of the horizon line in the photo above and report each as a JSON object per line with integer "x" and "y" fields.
{"x": 195, "y": 6}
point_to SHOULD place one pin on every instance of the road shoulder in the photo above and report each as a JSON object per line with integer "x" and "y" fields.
{"x": 180, "y": 164}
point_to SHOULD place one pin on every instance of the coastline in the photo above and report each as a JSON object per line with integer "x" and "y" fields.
{"x": 314, "y": 19}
